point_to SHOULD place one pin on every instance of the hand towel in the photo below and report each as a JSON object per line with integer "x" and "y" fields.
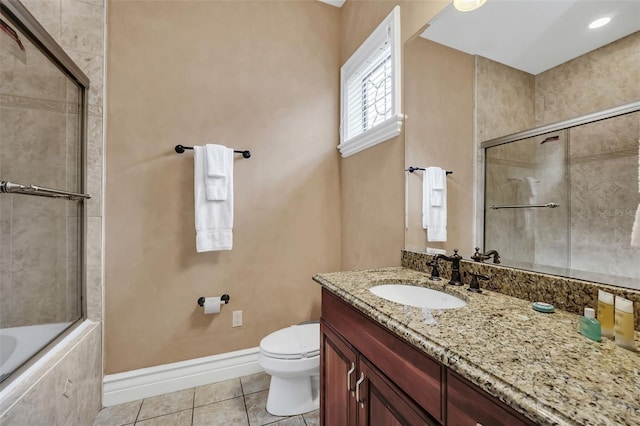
{"x": 218, "y": 160}
{"x": 438, "y": 179}
{"x": 635, "y": 232}
{"x": 214, "y": 218}
{"x": 434, "y": 218}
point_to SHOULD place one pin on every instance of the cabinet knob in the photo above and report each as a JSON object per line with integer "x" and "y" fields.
{"x": 478, "y": 424}
{"x": 358, "y": 383}
{"x": 349, "y": 373}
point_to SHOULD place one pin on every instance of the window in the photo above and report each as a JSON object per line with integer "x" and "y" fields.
{"x": 370, "y": 89}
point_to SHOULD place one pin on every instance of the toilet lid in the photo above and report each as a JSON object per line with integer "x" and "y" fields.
{"x": 295, "y": 342}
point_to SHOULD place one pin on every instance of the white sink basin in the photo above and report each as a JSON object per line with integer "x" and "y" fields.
{"x": 417, "y": 296}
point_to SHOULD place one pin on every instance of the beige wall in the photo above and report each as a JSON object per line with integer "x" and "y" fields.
{"x": 372, "y": 181}
{"x": 601, "y": 79}
{"x": 261, "y": 76}
{"x": 439, "y": 132}
{"x": 505, "y": 99}
{"x": 510, "y": 101}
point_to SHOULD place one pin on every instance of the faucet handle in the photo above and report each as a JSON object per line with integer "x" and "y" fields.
{"x": 435, "y": 274}
{"x": 474, "y": 285}
{"x": 477, "y": 256}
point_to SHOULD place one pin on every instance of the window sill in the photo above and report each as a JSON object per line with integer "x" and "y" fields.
{"x": 380, "y": 133}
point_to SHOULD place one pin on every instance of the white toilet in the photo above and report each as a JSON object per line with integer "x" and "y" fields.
{"x": 292, "y": 357}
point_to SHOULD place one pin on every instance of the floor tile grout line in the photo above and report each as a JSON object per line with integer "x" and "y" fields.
{"x": 139, "y": 409}
{"x": 162, "y": 415}
{"x": 246, "y": 410}
{"x": 193, "y": 406}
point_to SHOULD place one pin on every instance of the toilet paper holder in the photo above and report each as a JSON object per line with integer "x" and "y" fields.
{"x": 225, "y": 298}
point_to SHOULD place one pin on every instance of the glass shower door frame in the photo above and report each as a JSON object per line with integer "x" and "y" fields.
{"x": 15, "y": 14}
{"x": 539, "y": 131}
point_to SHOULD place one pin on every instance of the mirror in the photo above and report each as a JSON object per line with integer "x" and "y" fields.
{"x": 533, "y": 65}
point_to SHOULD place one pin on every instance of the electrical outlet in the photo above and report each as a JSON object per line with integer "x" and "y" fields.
{"x": 237, "y": 319}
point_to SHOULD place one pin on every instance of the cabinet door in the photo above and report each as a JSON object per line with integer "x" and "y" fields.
{"x": 338, "y": 362}
{"x": 380, "y": 402}
{"x": 469, "y": 406}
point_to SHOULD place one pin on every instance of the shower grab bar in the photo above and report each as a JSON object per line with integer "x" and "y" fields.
{"x": 180, "y": 149}
{"x": 40, "y": 191}
{"x": 412, "y": 169}
{"x": 525, "y": 206}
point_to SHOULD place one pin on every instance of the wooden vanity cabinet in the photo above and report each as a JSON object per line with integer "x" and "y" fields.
{"x": 356, "y": 364}
{"x": 468, "y": 405}
{"x": 369, "y": 376}
{"x": 338, "y": 362}
{"x": 354, "y": 392}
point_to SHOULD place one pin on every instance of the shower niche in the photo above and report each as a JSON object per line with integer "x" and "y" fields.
{"x": 562, "y": 199}
{"x": 43, "y": 116}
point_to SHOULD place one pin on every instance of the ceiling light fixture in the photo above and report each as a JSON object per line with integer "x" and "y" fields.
{"x": 599, "y": 23}
{"x": 467, "y": 5}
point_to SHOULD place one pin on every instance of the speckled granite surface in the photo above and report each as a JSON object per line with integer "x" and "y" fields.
{"x": 537, "y": 363}
{"x": 568, "y": 294}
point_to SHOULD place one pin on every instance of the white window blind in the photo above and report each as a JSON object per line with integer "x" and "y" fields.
{"x": 370, "y": 89}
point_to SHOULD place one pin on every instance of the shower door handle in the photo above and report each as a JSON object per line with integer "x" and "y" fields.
{"x": 40, "y": 191}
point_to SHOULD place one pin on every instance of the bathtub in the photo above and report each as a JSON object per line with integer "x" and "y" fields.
{"x": 18, "y": 344}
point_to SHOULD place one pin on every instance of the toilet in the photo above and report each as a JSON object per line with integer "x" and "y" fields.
{"x": 292, "y": 357}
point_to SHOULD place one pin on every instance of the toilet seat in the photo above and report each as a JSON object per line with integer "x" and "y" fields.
{"x": 295, "y": 342}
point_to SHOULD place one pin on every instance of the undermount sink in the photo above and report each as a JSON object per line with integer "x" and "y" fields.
{"x": 417, "y": 296}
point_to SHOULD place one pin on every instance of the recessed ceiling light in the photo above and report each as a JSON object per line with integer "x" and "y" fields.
{"x": 599, "y": 23}
{"x": 467, "y": 5}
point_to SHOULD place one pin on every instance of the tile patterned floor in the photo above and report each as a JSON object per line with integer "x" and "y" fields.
{"x": 233, "y": 402}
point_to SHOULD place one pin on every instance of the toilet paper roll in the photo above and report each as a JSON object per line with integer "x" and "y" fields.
{"x": 212, "y": 305}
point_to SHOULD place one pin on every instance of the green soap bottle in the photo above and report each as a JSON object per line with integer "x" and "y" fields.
{"x": 589, "y": 325}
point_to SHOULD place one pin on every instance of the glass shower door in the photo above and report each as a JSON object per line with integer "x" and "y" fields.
{"x": 41, "y": 230}
{"x": 527, "y": 202}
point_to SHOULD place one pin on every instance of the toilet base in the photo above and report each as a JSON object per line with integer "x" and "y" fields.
{"x": 293, "y": 396}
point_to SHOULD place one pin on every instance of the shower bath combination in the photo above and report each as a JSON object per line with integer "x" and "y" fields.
{"x": 42, "y": 189}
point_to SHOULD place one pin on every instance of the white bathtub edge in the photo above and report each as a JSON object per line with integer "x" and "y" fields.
{"x": 36, "y": 372}
{"x": 146, "y": 382}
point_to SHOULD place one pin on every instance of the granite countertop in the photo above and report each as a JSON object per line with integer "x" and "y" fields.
{"x": 537, "y": 363}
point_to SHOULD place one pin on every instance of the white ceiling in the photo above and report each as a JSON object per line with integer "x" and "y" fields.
{"x": 533, "y": 35}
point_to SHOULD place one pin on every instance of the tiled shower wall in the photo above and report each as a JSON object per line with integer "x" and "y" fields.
{"x": 603, "y": 157}
{"x": 39, "y": 114}
{"x": 78, "y": 26}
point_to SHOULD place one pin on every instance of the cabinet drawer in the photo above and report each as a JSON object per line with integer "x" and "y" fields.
{"x": 419, "y": 376}
{"x": 468, "y": 405}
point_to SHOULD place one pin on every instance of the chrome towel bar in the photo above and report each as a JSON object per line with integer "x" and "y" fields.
{"x": 40, "y": 191}
{"x": 525, "y": 206}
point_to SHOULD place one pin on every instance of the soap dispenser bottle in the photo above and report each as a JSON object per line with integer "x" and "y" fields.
{"x": 589, "y": 325}
{"x": 605, "y": 313}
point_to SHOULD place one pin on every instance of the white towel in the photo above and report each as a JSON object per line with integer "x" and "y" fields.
{"x": 218, "y": 161}
{"x": 214, "y": 218}
{"x": 434, "y": 217}
{"x": 635, "y": 232}
{"x": 438, "y": 180}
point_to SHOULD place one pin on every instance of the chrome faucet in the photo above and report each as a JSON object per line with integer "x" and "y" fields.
{"x": 456, "y": 279}
{"x": 481, "y": 257}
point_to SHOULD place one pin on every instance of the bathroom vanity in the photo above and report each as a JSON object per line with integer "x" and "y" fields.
{"x": 492, "y": 362}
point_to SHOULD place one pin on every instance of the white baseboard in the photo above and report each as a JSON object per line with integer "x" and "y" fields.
{"x": 146, "y": 382}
